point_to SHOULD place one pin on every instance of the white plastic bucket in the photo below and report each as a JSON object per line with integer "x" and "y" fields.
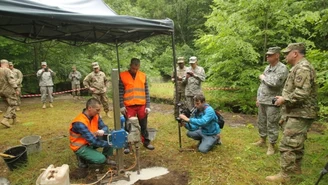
{"x": 32, "y": 143}
{"x": 151, "y": 133}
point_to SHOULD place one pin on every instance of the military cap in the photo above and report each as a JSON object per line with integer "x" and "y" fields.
{"x": 273, "y": 50}
{"x": 4, "y": 61}
{"x": 10, "y": 63}
{"x": 181, "y": 60}
{"x": 192, "y": 60}
{"x": 95, "y": 64}
{"x": 294, "y": 46}
{"x": 43, "y": 63}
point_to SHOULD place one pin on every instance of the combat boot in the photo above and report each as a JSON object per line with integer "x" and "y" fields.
{"x": 5, "y": 122}
{"x": 50, "y": 105}
{"x": 260, "y": 142}
{"x": 44, "y": 106}
{"x": 17, "y": 108}
{"x": 280, "y": 177}
{"x": 270, "y": 149}
{"x": 108, "y": 114}
{"x": 15, "y": 121}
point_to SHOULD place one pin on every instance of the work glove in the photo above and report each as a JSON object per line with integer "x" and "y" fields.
{"x": 147, "y": 110}
{"x": 123, "y": 110}
{"x": 100, "y": 132}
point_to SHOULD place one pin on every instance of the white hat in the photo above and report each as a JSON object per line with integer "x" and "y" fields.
{"x": 192, "y": 60}
{"x": 43, "y": 63}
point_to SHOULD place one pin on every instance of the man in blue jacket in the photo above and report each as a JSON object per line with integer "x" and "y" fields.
{"x": 203, "y": 125}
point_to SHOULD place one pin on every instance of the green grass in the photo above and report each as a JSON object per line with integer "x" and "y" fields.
{"x": 235, "y": 162}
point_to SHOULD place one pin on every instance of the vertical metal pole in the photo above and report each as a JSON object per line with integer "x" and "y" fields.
{"x": 176, "y": 108}
{"x": 116, "y": 108}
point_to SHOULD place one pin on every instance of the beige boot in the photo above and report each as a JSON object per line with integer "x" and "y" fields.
{"x": 5, "y": 122}
{"x": 15, "y": 121}
{"x": 270, "y": 149}
{"x": 280, "y": 177}
{"x": 50, "y": 105}
{"x": 17, "y": 108}
{"x": 260, "y": 142}
{"x": 108, "y": 114}
{"x": 44, "y": 106}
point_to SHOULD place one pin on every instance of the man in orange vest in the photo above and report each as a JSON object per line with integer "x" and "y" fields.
{"x": 134, "y": 98}
{"x": 86, "y": 132}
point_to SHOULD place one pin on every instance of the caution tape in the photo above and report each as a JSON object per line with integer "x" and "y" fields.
{"x": 203, "y": 88}
{"x": 61, "y": 92}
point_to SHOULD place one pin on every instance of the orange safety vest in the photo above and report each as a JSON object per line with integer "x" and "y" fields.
{"x": 134, "y": 93}
{"x": 76, "y": 140}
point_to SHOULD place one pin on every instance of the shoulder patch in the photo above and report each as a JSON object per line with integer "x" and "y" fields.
{"x": 298, "y": 79}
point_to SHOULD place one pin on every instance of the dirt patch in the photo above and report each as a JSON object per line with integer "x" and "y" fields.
{"x": 172, "y": 178}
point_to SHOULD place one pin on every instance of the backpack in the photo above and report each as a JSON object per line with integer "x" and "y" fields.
{"x": 220, "y": 119}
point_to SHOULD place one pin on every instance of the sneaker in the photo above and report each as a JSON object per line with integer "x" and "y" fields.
{"x": 218, "y": 142}
{"x": 149, "y": 146}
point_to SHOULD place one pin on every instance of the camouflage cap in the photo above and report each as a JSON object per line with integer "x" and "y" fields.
{"x": 94, "y": 63}
{"x": 43, "y": 63}
{"x": 10, "y": 63}
{"x": 181, "y": 60}
{"x": 192, "y": 60}
{"x": 95, "y": 66}
{"x": 273, "y": 50}
{"x": 4, "y": 61}
{"x": 294, "y": 46}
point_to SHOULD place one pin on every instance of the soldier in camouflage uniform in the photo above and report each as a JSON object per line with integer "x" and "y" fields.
{"x": 194, "y": 77}
{"x": 75, "y": 77}
{"x": 272, "y": 82}
{"x": 8, "y": 92}
{"x": 181, "y": 87}
{"x": 97, "y": 83}
{"x": 19, "y": 79}
{"x": 299, "y": 109}
{"x": 46, "y": 84}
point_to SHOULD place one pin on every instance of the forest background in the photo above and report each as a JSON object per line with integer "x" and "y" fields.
{"x": 229, "y": 37}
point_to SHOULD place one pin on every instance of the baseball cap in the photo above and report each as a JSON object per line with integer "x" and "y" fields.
{"x": 192, "y": 60}
{"x": 94, "y": 63}
{"x": 181, "y": 60}
{"x": 273, "y": 50}
{"x": 294, "y": 46}
{"x": 10, "y": 63}
{"x": 95, "y": 66}
{"x": 43, "y": 63}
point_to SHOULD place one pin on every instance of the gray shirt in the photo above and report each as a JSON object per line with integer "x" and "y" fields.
{"x": 45, "y": 78}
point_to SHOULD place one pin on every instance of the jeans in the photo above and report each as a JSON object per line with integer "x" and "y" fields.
{"x": 206, "y": 142}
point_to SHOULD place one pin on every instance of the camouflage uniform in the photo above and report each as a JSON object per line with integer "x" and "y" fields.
{"x": 46, "y": 84}
{"x": 180, "y": 85}
{"x": 75, "y": 77}
{"x": 18, "y": 75}
{"x": 298, "y": 113}
{"x": 269, "y": 114}
{"x": 193, "y": 84}
{"x": 8, "y": 88}
{"x": 100, "y": 83}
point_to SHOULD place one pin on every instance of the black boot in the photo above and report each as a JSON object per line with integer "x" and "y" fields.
{"x": 82, "y": 163}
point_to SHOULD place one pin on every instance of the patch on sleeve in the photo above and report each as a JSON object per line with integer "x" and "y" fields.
{"x": 298, "y": 79}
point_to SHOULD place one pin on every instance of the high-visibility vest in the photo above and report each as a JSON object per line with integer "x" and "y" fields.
{"x": 76, "y": 139}
{"x": 134, "y": 89}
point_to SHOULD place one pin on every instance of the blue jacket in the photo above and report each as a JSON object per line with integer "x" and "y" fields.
{"x": 207, "y": 121}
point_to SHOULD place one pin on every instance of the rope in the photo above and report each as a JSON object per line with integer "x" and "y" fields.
{"x": 61, "y": 92}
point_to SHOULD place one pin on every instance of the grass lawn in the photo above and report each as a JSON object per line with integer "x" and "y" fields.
{"x": 235, "y": 162}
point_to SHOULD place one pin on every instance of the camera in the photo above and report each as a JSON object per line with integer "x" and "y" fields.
{"x": 274, "y": 100}
{"x": 185, "y": 111}
{"x": 46, "y": 69}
